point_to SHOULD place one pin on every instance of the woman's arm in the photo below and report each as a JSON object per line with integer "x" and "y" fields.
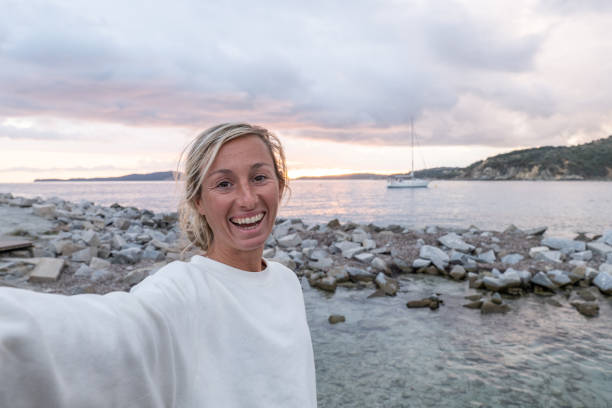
{"x": 117, "y": 350}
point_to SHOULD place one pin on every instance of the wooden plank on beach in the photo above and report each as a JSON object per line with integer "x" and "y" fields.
{"x": 46, "y": 270}
{"x": 8, "y": 244}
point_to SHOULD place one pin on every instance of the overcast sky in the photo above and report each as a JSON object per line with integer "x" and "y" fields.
{"x": 108, "y": 88}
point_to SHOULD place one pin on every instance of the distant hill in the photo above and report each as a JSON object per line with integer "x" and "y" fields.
{"x": 589, "y": 161}
{"x": 157, "y": 176}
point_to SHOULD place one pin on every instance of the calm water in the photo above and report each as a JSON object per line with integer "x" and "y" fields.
{"x": 565, "y": 207}
{"x": 386, "y": 355}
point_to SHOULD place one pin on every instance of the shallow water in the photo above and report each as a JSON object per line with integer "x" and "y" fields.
{"x": 387, "y": 355}
{"x": 566, "y": 207}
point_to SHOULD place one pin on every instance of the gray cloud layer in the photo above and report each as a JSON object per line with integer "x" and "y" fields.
{"x": 353, "y": 71}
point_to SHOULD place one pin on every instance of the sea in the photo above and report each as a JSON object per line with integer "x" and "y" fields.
{"x": 386, "y": 355}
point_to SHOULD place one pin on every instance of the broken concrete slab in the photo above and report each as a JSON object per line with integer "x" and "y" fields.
{"x": 46, "y": 270}
{"x": 10, "y": 244}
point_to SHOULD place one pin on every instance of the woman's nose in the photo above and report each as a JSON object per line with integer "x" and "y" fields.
{"x": 246, "y": 196}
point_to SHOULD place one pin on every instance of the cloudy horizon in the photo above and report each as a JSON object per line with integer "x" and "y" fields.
{"x": 104, "y": 89}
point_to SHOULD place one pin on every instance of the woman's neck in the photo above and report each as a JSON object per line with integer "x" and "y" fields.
{"x": 250, "y": 261}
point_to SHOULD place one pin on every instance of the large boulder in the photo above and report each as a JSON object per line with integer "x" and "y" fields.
{"x": 512, "y": 259}
{"x": 548, "y": 256}
{"x": 437, "y": 256}
{"x": 44, "y": 210}
{"x": 487, "y": 257}
{"x": 380, "y": 264}
{"x": 588, "y": 309}
{"x": 84, "y": 255}
{"x": 128, "y": 256}
{"x": 291, "y": 240}
{"x": 511, "y": 279}
{"x": 454, "y": 241}
{"x": 600, "y": 248}
{"x": 582, "y": 255}
{"x": 358, "y": 274}
{"x": 491, "y": 307}
{"x": 541, "y": 279}
{"x": 569, "y": 245}
{"x": 603, "y": 281}
{"x": 492, "y": 283}
{"x": 386, "y": 284}
{"x": 364, "y": 257}
{"x": 559, "y": 277}
{"x": 457, "y": 272}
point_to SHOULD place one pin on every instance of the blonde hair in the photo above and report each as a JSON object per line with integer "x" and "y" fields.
{"x": 200, "y": 154}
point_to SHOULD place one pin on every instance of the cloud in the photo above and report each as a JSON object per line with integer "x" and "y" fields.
{"x": 323, "y": 70}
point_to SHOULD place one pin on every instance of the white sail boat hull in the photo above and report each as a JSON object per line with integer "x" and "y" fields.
{"x": 406, "y": 182}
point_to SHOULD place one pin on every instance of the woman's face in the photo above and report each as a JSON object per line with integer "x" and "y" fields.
{"x": 240, "y": 198}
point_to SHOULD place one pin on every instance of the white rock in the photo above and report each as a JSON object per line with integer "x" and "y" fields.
{"x": 559, "y": 277}
{"x": 359, "y": 235}
{"x": 599, "y": 248}
{"x": 309, "y": 243}
{"x": 564, "y": 243}
{"x": 533, "y": 252}
{"x": 84, "y": 271}
{"x": 84, "y": 255}
{"x": 606, "y": 267}
{"x": 512, "y": 259}
{"x": 438, "y": 257}
{"x": 549, "y": 256}
{"x": 117, "y": 242}
{"x": 364, "y": 257}
{"x": 420, "y": 263}
{"x": 603, "y": 281}
{"x": 379, "y": 264}
{"x": 128, "y": 256}
{"x": 457, "y": 272}
{"x": 44, "y": 210}
{"x": 289, "y": 241}
{"x": 322, "y": 264}
{"x": 368, "y": 244}
{"x": 98, "y": 263}
{"x": 543, "y": 280}
{"x": 101, "y": 275}
{"x": 351, "y": 252}
{"x": 582, "y": 255}
{"x": 454, "y": 241}
{"x": 487, "y": 257}
{"x": 91, "y": 238}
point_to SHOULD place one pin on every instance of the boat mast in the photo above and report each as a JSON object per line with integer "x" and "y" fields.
{"x": 412, "y": 147}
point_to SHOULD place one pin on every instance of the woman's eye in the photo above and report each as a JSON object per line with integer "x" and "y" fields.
{"x": 223, "y": 184}
{"x": 260, "y": 178}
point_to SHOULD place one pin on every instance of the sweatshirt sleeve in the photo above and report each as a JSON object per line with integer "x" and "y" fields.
{"x": 115, "y": 350}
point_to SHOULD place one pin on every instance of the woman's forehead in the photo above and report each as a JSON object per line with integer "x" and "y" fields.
{"x": 245, "y": 151}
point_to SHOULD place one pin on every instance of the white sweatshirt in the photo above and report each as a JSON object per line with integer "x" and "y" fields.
{"x": 197, "y": 334}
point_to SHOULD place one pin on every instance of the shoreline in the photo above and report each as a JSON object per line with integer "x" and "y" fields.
{"x": 102, "y": 249}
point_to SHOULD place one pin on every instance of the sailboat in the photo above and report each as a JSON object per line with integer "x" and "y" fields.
{"x": 408, "y": 181}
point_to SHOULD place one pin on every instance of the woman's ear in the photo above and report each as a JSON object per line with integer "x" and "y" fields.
{"x": 200, "y": 207}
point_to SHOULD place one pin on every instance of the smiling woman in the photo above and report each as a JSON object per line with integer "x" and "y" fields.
{"x": 226, "y": 329}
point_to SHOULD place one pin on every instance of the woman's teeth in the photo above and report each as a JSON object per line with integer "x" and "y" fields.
{"x": 248, "y": 220}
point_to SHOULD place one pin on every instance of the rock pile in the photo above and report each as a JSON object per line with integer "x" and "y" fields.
{"x": 110, "y": 248}
{"x": 99, "y": 245}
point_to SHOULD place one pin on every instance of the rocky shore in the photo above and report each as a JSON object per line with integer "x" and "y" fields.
{"x": 58, "y": 246}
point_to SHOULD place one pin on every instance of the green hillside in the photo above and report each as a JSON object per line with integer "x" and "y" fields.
{"x": 590, "y": 161}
